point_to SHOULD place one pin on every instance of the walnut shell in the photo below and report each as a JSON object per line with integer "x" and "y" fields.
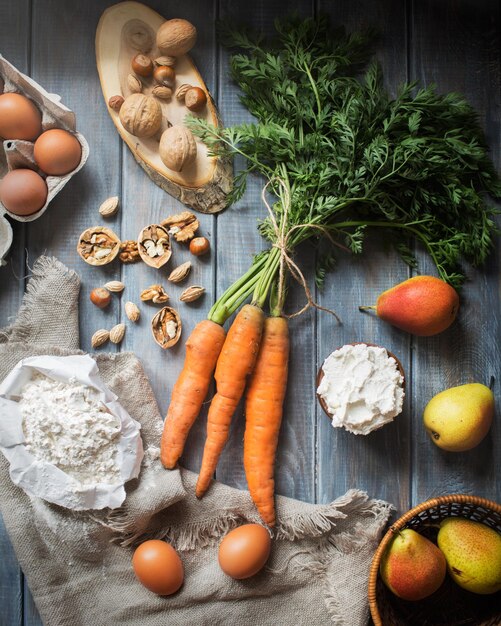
{"x": 166, "y": 320}
{"x": 176, "y": 37}
{"x": 141, "y": 115}
{"x": 153, "y": 244}
{"x": 98, "y": 245}
{"x": 177, "y": 147}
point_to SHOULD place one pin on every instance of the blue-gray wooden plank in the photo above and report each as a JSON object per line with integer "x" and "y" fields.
{"x": 15, "y": 28}
{"x": 239, "y": 241}
{"x": 379, "y": 463}
{"x": 457, "y": 46}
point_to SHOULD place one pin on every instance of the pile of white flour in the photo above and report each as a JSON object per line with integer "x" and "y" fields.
{"x": 67, "y": 425}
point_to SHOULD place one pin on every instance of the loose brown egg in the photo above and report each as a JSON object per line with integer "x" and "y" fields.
{"x": 57, "y": 152}
{"x": 244, "y": 551}
{"x": 158, "y": 567}
{"x": 19, "y": 117}
{"x": 23, "y": 192}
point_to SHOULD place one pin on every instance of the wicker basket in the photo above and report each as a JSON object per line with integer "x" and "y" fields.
{"x": 450, "y": 605}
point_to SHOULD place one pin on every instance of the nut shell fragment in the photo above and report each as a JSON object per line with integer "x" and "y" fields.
{"x": 99, "y": 338}
{"x": 155, "y": 294}
{"x": 117, "y": 333}
{"x": 132, "y": 311}
{"x": 98, "y": 245}
{"x": 166, "y": 327}
{"x": 182, "y": 226}
{"x": 153, "y": 244}
{"x": 179, "y": 273}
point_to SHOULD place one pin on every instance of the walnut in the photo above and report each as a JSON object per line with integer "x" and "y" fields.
{"x": 155, "y": 294}
{"x": 129, "y": 252}
{"x": 176, "y": 37}
{"x": 177, "y": 147}
{"x": 182, "y": 226}
{"x": 141, "y": 115}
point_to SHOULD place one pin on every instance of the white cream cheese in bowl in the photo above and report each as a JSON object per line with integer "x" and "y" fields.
{"x": 361, "y": 387}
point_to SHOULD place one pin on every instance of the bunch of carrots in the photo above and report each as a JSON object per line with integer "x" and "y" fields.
{"x": 254, "y": 354}
{"x": 341, "y": 157}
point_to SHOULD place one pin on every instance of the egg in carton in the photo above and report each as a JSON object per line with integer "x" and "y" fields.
{"x": 19, "y": 153}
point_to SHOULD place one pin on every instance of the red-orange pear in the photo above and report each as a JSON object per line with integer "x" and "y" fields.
{"x": 412, "y": 567}
{"x": 423, "y": 305}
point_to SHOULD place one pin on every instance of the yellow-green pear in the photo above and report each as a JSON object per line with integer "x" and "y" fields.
{"x": 473, "y": 554}
{"x": 412, "y": 567}
{"x": 458, "y": 418}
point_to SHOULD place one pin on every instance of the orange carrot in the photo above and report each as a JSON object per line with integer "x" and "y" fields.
{"x": 234, "y": 365}
{"x": 263, "y": 415}
{"x": 202, "y": 351}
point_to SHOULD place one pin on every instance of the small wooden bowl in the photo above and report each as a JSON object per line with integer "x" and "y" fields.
{"x": 320, "y": 373}
{"x": 450, "y": 605}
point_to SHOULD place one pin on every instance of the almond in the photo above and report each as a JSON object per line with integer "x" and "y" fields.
{"x": 181, "y": 91}
{"x": 134, "y": 84}
{"x": 180, "y": 273}
{"x": 192, "y": 293}
{"x": 109, "y": 207}
{"x": 117, "y": 333}
{"x": 165, "y": 60}
{"x": 99, "y": 338}
{"x": 164, "y": 93}
{"x": 132, "y": 311}
{"x": 114, "y": 286}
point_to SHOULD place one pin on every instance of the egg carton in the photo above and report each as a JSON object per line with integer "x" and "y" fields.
{"x": 15, "y": 153}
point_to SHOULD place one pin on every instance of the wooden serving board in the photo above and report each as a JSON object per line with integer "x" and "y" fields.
{"x": 124, "y": 30}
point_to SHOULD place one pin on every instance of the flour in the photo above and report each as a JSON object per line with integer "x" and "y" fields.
{"x": 362, "y": 388}
{"x": 67, "y": 425}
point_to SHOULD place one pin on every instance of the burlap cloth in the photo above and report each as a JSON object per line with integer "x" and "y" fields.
{"x": 78, "y": 565}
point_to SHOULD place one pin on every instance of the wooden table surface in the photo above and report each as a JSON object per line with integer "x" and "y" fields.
{"x": 454, "y": 43}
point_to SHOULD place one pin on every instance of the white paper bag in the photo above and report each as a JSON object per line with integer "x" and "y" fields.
{"x": 44, "y": 480}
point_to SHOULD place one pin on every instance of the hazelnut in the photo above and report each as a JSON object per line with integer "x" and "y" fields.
{"x": 165, "y": 75}
{"x": 142, "y": 65}
{"x": 101, "y": 297}
{"x": 176, "y": 37}
{"x": 199, "y": 246}
{"x": 115, "y": 102}
{"x": 195, "y": 99}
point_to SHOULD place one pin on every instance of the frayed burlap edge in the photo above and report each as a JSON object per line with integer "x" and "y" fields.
{"x": 44, "y": 270}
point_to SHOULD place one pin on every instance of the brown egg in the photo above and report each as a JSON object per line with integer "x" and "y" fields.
{"x": 57, "y": 152}
{"x": 158, "y": 567}
{"x": 244, "y": 551}
{"x": 19, "y": 117}
{"x": 23, "y": 192}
